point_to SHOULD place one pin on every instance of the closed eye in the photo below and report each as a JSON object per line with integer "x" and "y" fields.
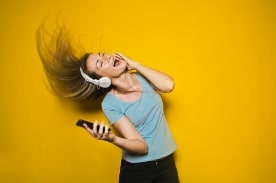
{"x": 98, "y": 65}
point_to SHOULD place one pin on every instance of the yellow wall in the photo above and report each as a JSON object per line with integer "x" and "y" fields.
{"x": 222, "y": 113}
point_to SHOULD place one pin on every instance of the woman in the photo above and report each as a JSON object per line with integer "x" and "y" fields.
{"x": 130, "y": 101}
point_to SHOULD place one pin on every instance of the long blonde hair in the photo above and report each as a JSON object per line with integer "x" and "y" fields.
{"x": 62, "y": 63}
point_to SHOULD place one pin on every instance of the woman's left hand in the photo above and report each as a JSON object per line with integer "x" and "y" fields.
{"x": 131, "y": 64}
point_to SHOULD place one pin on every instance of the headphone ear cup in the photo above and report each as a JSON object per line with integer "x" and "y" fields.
{"x": 104, "y": 82}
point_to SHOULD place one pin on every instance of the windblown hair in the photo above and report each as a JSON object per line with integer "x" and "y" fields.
{"x": 62, "y": 66}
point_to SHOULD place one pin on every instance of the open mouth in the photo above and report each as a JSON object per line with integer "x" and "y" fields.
{"x": 116, "y": 62}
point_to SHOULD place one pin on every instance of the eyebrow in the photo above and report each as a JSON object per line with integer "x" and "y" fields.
{"x": 101, "y": 54}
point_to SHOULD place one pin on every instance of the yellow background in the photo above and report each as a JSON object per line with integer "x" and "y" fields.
{"x": 222, "y": 112}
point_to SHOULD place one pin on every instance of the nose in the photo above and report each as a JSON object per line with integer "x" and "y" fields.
{"x": 106, "y": 57}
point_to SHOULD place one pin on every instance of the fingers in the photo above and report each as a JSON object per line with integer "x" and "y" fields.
{"x": 120, "y": 56}
{"x": 95, "y": 126}
{"x": 105, "y": 131}
{"x": 99, "y": 131}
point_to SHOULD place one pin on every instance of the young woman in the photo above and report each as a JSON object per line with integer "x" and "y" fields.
{"x": 130, "y": 101}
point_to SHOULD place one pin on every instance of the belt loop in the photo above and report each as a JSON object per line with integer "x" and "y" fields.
{"x": 156, "y": 163}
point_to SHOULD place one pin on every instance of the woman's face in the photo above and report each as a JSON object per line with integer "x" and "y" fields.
{"x": 107, "y": 65}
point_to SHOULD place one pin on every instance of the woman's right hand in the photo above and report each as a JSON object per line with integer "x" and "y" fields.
{"x": 102, "y": 134}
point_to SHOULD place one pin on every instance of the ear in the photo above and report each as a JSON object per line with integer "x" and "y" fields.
{"x": 104, "y": 82}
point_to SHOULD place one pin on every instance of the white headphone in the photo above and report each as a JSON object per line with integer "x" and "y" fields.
{"x": 103, "y": 82}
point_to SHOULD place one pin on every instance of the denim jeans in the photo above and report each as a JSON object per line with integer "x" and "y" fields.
{"x": 157, "y": 171}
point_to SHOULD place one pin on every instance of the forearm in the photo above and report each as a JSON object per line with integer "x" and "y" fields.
{"x": 159, "y": 80}
{"x": 135, "y": 146}
{"x": 132, "y": 141}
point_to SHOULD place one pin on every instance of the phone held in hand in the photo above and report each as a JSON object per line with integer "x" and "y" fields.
{"x": 80, "y": 123}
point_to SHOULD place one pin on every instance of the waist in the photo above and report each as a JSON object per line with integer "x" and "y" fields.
{"x": 170, "y": 156}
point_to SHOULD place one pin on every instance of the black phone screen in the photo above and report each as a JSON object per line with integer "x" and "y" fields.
{"x": 80, "y": 123}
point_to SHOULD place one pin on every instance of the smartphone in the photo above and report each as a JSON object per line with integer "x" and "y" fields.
{"x": 80, "y": 123}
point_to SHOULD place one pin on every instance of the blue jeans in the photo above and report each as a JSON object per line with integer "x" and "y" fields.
{"x": 157, "y": 171}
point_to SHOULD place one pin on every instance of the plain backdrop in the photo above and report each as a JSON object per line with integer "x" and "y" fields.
{"x": 222, "y": 55}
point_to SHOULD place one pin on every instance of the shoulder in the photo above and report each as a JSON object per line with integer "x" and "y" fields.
{"x": 108, "y": 98}
{"x": 146, "y": 85}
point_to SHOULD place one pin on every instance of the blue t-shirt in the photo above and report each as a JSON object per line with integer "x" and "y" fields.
{"x": 147, "y": 116}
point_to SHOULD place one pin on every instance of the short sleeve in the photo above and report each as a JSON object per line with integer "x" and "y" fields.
{"x": 111, "y": 109}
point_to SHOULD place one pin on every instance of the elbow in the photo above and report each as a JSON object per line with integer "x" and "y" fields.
{"x": 139, "y": 148}
{"x": 143, "y": 150}
{"x": 169, "y": 87}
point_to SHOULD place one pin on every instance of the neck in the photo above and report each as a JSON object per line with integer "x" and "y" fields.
{"x": 126, "y": 84}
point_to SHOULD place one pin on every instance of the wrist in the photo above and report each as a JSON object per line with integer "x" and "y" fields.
{"x": 113, "y": 139}
{"x": 134, "y": 66}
